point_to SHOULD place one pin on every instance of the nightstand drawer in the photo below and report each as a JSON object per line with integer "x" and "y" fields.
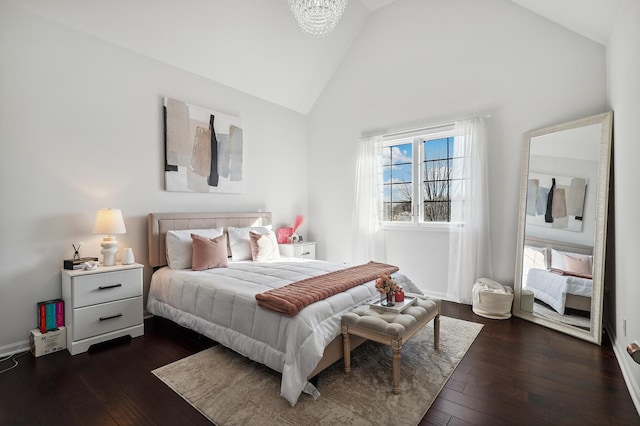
{"x": 106, "y": 287}
{"x": 94, "y": 320}
{"x": 305, "y": 250}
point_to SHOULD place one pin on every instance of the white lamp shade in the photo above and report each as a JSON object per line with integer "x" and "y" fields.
{"x": 109, "y": 221}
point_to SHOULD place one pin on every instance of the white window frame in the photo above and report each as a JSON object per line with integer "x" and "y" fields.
{"x": 416, "y": 138}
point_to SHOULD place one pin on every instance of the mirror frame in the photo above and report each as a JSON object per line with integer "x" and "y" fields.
{"x": 594, "y": 334}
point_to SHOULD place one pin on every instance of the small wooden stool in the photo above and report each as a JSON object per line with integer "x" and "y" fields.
{"x": 390, "y": 329}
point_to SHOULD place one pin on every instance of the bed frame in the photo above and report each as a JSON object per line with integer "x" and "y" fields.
{"x": 160, "y": 223}
{"x": 582, "y": 303}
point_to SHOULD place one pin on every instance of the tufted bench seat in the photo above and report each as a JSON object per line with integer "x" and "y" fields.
{"x": 393, "y": 329}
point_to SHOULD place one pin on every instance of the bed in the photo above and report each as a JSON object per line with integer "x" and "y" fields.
{"x": 559, "y": 273}
{"x": 220, "y": 303}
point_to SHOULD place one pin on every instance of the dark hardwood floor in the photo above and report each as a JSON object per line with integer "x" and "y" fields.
{"x": 515, "y": 373}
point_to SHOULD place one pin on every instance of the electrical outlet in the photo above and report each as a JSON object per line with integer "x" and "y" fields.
{"x": 624, "y": 327}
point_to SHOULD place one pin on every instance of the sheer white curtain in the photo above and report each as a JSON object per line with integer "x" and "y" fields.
{"x": 470, "y": 239}
{"x": 368, "y": 237}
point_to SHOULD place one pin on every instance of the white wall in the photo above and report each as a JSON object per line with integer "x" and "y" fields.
{"x": 622, "y": 278}
{"x": 81, "y": 128}
{"x": 420, "y": 62}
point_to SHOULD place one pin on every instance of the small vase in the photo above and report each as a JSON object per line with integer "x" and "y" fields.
{"x": 399, "y": 296}
{"x": 390, "y": 299}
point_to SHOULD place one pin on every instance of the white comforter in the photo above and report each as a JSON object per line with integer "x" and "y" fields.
{"x": 552, "y": 288}
{"x": 220, "y": 303}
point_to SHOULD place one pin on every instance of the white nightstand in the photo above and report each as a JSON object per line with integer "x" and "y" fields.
{"x": 101, "y": 305}
{"x": 304, "y": 250}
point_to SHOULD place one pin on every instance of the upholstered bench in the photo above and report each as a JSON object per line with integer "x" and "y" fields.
{"x": 393, "y": 329}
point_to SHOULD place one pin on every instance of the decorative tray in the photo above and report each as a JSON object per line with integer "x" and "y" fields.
{"x": 396, "y": 308}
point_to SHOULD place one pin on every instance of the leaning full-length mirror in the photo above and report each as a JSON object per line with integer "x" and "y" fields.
{"x": 562, "y": 226}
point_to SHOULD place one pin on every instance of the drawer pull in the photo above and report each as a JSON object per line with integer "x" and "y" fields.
{"x": 111, "y": 317}
{"x": 107, "y": 287}
{"x": 306, "y": 253}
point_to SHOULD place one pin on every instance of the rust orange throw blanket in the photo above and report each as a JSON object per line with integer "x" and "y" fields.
{"x": 290, "y": 299}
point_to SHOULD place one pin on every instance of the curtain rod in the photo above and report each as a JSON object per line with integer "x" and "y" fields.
{"x": 422, "y": 129}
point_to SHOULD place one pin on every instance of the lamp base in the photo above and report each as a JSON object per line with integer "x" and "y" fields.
{"x": 109, "y": 250}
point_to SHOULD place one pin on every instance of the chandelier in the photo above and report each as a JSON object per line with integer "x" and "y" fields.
{"x": 317, "y": 17}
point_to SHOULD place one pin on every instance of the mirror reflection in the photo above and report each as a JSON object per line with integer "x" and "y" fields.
{"x": 562, "y": 225}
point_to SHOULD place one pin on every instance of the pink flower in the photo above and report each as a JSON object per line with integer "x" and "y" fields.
{"x": 386, "y": 284}
{"x": 297, "y": 223}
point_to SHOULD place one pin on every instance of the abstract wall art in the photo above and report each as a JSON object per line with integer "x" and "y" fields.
{"x": 203, "y": 149}
{"x": 556, "y": 201}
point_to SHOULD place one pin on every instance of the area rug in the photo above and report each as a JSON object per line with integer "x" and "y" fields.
{"x": 230, "y": 389}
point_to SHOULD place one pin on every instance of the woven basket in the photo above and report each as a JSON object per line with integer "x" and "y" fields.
{"x": 493, "y": 305}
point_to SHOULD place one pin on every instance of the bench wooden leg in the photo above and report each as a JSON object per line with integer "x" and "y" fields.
{"x": 346, "y": 347}
{"x": 436, "y": 332}
{"x": 396, "y": 366}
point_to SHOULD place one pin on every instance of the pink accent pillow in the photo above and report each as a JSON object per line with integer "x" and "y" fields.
{"x": 209, "y": 253}
{"x": 578, "y": 266}
{"x": 264, "y": 246}
{"x": 283, "y": 235}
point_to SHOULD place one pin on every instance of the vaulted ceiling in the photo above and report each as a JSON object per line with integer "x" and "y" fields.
{"x": 255, "y": 45}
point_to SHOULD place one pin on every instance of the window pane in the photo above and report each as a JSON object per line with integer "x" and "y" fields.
{"x": 401, "y": 173}
{"x": 386, "y": 155}
{"x": 436, "y": 211}
{"x": 401, "y": 192}
{"x": 401, "y": 154}
{"x": 435, "y": 149}
{"x": 457, "y": 189}
{"x": 386, "y": 174}
{"x": 401, "y": 212}
{"x": 436, "y": 170}
{"x": 437, "y": 190}
{"x": 386, "y": 193}
{"x": 386, "y": 212}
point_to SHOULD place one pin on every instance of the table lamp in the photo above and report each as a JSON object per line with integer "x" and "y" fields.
{"x": 109, "y": 222}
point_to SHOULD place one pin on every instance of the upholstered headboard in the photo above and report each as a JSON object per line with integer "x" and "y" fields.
{"x": 160, "y": 223}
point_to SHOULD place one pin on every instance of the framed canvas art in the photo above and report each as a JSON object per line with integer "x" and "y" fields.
{"x": 556, "y": 201}
{"x": 203, "y": 149}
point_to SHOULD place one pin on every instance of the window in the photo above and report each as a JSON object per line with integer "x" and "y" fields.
{"x": 418, "y": 177}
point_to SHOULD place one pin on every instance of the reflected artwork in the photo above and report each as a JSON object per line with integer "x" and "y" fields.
{"x": 556, "y": 201}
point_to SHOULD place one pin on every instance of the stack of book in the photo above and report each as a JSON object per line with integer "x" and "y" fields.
{"x": 50, "y": 315}
{"x": 78, "y": 263}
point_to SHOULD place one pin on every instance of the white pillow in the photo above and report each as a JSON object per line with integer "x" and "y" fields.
{"x": 180, "y": 247}
{"x": 239, "y": 241}
{"x": 535, "y": 257}
{"x": 557, "y": 258}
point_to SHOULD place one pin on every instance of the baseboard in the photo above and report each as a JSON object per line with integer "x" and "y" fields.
{"x": 625, "y": 365}
{"x": 14, "y": 348}
{"x": 435, "y": 294}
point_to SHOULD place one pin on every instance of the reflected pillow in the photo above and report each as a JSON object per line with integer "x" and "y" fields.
{"x": 577, "y": 266}
{"x": 264, "y": 246}
{"x": 209, "y": 253}
{"x": 534, "y": 257}
{"x": 239, "y": 241}
{"x": 179, "y": 245}
{"x": 557, "y": 259}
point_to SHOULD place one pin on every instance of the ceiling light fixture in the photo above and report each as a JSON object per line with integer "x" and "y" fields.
{"x": 317, "y": 17}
